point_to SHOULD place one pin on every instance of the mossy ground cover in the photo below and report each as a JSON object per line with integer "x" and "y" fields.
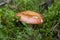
{"x": 10, "y": 29}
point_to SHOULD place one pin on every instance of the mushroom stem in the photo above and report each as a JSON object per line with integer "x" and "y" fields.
{"x": 30, "y": 26}
{"x": 24, "y": 24}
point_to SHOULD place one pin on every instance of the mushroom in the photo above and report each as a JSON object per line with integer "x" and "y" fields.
{"x": 30, "y": 17}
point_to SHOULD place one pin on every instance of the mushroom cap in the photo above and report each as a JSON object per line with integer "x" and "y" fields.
{"x": 30, "y": 17}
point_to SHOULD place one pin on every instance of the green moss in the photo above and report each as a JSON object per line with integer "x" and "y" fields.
{"x": 12, "y": 30}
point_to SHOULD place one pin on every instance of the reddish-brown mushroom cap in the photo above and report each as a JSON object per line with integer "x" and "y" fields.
{"x": 30, "y": 17}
